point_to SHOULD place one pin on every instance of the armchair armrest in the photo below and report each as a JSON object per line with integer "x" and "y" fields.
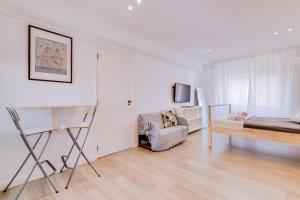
{"x": 147, "y": 127}
{"x": 182, "y": 121}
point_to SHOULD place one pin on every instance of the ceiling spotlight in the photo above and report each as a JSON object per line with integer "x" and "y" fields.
{"x": 139, "y": 1}
{"x": 130, "y": 8}
{"x": 209, "y": 50}
{"x": 276, "y": 33}
{"x": 202, "y": 52}
{"x": 290, "y": 29}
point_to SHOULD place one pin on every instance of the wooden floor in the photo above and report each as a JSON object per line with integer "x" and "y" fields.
{"x": 246, "y": 169}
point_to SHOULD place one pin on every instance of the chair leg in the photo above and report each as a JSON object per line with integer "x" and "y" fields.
{"x": 26, "y": 181}
{"x": 46, "y": 176}
{"x": 22, "y": 165}
{"x": 67, "y": 157}
{"x": 42, "y": 169}
{"x": 72, "y": 172}
{"x": 37, "y": 163}
{"x": 77, "y": 136}
{"x": 80, "y": 153}
{"x": 37, "y": 159}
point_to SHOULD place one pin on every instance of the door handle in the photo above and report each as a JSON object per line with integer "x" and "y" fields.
{"x": 129, "y": 102}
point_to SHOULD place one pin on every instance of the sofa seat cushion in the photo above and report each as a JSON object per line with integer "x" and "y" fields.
{"x": 154, "y": 118}
{"x": 168, "y": 137}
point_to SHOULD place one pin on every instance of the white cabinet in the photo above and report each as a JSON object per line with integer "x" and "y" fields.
{"x": 193, "y": 115}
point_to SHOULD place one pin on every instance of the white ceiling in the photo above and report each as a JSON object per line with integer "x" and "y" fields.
{"x": 229, "y": 27}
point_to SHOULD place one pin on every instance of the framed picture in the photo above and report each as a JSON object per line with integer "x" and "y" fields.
{"x": 50, "y": 56}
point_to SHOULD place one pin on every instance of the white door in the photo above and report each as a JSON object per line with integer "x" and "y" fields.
{"x": 114, "y": 119}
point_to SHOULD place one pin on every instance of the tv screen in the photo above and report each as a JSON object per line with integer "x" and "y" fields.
{"x": 182, "y": 93}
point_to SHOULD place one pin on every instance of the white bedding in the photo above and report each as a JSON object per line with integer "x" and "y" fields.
{"x": 225, "y": 123}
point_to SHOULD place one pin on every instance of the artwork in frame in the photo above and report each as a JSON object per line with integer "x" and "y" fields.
{"x": 50, "y": 56}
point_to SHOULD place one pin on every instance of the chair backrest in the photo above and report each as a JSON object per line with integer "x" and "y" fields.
{"x": 90, "y": 113}
{"x": 14, "y": 115}
{"x": 91, "y": 109}
{"x": 95, "y": 108}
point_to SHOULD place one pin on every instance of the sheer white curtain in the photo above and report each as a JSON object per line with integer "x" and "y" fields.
{"x": 271, "y": 78}
{"x": 232, "y": 84}
{"x": 259, "y": 85}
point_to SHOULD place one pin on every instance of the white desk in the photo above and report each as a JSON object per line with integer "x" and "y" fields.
{"x": 56, "y": 113}
{"x": 54, "y": 106}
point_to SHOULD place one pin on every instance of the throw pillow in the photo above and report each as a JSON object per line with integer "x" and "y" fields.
{"x": 169, "y": 118}
{"x": 240, "y": 116}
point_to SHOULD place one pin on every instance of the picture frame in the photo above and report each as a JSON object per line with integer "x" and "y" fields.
{"x": 49, "y": 56}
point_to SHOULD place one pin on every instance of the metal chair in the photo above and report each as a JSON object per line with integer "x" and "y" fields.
{"x": 80, "y": 126}
{"x": 25, "y": 135}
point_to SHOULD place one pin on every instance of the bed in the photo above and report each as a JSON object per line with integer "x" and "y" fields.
{"x": 273, "y": 129}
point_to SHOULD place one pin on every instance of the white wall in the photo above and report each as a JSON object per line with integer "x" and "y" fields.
{"x": 153, "y": 92}
{"x": 154, "y": 80}
{"x": 153, "y": 83}
{"x": 17, "y": 90}
{"x": 206, "y": 80}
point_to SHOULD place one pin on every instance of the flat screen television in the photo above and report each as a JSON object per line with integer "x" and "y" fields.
{"x": 182, "y": 93}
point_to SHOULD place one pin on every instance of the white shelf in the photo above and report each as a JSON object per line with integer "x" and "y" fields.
{"x": 191, "y": 107}
{"x": 193, "y": 115}
{"x": 191, "y": 119}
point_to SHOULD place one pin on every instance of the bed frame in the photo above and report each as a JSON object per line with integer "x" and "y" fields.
{"x": 282, "y": 137}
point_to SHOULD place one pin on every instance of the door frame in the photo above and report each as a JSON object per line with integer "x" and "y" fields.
{"x": 129, "y": 54}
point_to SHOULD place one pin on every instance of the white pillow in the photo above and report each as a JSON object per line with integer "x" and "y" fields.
{"x": 296, "y": 118}
{"x": 240, "y": 116}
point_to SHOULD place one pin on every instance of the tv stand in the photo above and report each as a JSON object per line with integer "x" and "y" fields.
{"x": 193, "y": 115}
{"x": 187, "y": 106}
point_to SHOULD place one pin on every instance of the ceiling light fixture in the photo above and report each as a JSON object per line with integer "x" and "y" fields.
{"x": 130, "y": 8}
{"x": 139, "y": 1}
{"x": 202, "y": 52}
{"x": 290, "y": 29}
{"x": 209, "y": 50}
{"x": 276, "y": 33}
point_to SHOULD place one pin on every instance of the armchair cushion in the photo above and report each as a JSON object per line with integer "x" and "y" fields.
{"x": 168, "y": 138}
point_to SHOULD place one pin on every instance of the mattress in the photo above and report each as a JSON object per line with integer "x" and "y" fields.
{"x": 225, "y": 123}
{"x": 262, "y": 123}
{"x": 272, "y": 124}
